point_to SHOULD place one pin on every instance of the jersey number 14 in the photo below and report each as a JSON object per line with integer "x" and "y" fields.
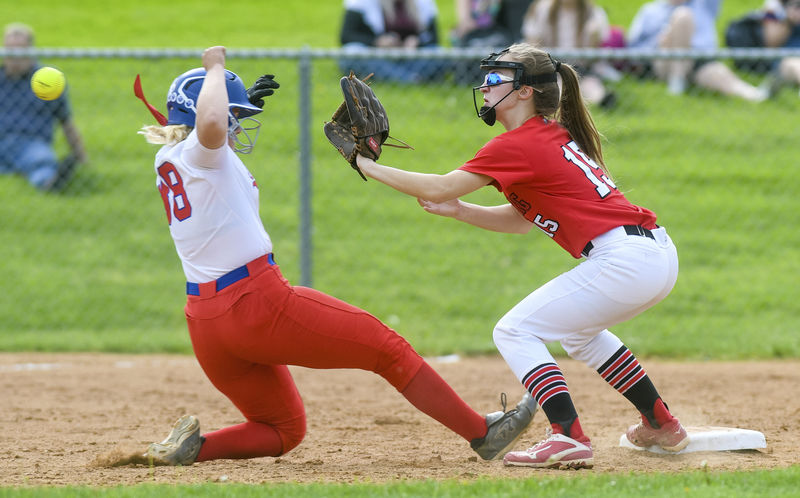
{"x": 602, "y": 183}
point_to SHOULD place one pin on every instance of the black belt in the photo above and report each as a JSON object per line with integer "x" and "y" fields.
{"x": 630, "y": 230}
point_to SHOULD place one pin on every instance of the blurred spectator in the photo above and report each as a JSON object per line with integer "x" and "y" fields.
{"x": 410, "y": 24}
{"x": 27, "y": 123}
{"x": 570, "y": 24}
{"x": 477, "y": 25}
{"x": 747, "y": 31}
{"x": 488, "y": 24}
{"x": 782, "y": 29}
{"x": 676, "y": 24}
{"x": 512, "y": 13}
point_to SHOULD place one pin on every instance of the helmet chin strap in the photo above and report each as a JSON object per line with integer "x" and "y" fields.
{"x": 486, "y": 113}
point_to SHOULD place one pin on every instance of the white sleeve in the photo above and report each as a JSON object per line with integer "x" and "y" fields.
{"x": 712, "y": 6}
{"x": 648, "y": 22}
{"x": 195, "y": 154}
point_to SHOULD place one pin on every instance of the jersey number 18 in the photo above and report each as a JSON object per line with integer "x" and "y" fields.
{"x": 171, "y": 181}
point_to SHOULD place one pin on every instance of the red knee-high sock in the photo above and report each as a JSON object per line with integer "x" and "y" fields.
{"x": 433, "y": 396}
{"x": 247, "y": 440}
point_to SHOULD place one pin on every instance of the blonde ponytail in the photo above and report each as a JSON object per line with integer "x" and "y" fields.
{"x": 575, "y": 117}
{"x": 165, "y": 135}
{"x": 566, "y": 106}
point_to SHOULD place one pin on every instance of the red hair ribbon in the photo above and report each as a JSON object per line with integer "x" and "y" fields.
{"x": 137, "y": 90}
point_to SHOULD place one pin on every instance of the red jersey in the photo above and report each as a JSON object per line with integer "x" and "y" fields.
{"x": 543, "y": 173}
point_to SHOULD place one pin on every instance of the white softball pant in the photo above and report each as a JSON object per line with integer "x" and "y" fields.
{"x": 622, "y": 276}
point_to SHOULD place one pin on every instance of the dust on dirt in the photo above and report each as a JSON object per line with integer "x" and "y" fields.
{"x": 66, "y": 418}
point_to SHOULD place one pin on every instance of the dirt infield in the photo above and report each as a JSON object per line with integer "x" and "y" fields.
{"x": 61, "y": 412}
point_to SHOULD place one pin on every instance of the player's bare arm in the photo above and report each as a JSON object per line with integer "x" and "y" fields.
{"x": 433, "y": 187}
{"x": 503, "y": 218}
{"x": 212, "y": 103}
{"x": 75, "y": 140}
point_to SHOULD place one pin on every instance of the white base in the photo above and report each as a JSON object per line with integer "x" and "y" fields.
{"x": 710, "y": 439}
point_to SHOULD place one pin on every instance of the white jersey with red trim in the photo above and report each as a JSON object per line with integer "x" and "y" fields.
{"x": 211, "y": 200}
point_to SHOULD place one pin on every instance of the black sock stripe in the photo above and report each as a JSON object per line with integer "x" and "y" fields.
{"x": 549, "y": 386}
{"x": 533, "y": 372}
{"x": 628, "y": 377}
{"x": 625, "y": 364}
{"x": 613, "y": 358}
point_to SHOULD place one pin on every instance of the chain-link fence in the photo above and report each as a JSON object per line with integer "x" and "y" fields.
{"x": 97, "y": 255}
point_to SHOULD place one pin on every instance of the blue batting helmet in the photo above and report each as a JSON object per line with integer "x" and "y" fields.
{"x": 183, "y": 93}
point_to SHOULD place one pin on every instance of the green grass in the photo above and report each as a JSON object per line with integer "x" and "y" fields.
{"x": 774, "y": 484}
{"x": 94, "y": 269}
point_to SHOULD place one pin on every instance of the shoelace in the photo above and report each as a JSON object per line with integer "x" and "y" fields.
{"x": 548, "y": 433}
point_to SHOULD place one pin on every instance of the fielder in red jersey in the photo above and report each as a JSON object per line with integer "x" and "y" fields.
{"x": 246, "y": 322}
{"x": 549, "y": 165}
{"x": 543, "y": 173}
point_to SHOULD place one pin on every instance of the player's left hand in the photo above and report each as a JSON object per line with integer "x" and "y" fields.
{"x": 263, "y": 87}
{"x": 212, "y": 56}
{"x": 447, "y": 208}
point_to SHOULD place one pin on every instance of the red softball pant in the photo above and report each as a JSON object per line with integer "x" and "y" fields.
{"x": 246, "y": 334}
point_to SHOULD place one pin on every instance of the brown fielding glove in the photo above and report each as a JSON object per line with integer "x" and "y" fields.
{"x": 360, "y": 124}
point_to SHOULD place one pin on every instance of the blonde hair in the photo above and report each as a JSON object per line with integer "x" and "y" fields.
{"x": 566, "y": 107}
{"x": 18, "y": 28}
{"x": 165, "y": 135}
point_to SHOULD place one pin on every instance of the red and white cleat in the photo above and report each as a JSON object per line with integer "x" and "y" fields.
{"x": 671, "y": 436}
{"x": 556, "y": 451}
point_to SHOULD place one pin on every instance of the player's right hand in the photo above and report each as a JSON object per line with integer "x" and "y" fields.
{"x": 263, "y": 87}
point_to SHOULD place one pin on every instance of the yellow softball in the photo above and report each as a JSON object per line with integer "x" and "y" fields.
{"x": 48, "y": 83}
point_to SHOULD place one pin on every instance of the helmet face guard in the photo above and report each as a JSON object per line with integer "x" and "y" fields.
{"x": 244, "y": 133}
{"x": 487, "y": 114}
